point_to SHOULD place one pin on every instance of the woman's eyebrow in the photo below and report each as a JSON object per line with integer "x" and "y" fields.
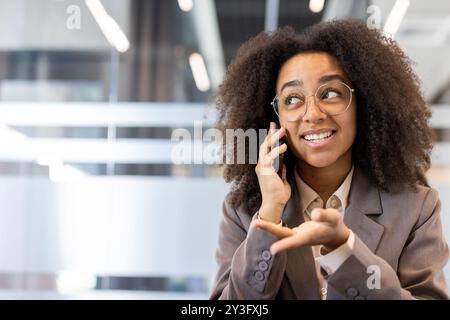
{"x": 293, "y": 83}
{"x": 330, "y": 77}
{"x": 322, "y": 79}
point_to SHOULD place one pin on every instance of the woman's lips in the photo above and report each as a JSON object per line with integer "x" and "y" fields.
{"x": 319, "y": 141}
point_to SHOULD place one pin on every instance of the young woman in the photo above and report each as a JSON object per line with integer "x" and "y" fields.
{"x": 351, "y": 216}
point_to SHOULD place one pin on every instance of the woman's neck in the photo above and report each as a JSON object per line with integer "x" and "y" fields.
{"x": 325, "y": 181}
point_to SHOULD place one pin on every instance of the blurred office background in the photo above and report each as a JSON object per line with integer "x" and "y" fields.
{"x": 91, "y": 203}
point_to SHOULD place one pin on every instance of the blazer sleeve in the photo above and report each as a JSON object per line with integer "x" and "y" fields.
{"x": 420, "y": 268}
{"x": 246, "y": 268}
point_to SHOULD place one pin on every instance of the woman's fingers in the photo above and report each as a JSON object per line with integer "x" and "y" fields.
{"x": 273, "y": 228}
{"x": 269, "y": 137}
{"x": 271, "y": 140}
{"x": 294, "y": 241}
{"x": 330, "y": 216}
{"x": 309, "y": 233}
{"x": 303, "y": 235}
{"x": 268, "y": 153}
{"x": 273, "y": 154}
{"x": 276, "y": 136}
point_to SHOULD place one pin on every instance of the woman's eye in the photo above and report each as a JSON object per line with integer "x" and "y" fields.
{"x": 331, "y": 94}
{"x": 292, "y": 100}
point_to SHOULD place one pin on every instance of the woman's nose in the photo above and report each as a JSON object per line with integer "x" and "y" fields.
{"x": 313, "y": 112}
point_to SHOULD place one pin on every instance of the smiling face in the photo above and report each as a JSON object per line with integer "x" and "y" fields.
{"x": 316, "y": 138}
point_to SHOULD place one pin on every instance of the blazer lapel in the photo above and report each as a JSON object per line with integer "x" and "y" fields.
{"x": 364, "y": 202}
{"x": 300, "y": 266}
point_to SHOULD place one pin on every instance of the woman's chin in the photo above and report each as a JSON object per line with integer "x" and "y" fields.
{"x": 320, "y": 162}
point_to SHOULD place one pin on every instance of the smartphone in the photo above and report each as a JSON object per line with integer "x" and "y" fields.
{"x": 280, "y": 159}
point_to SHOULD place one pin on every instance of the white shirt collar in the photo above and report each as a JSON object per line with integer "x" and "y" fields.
{"x": 308, "y": 195}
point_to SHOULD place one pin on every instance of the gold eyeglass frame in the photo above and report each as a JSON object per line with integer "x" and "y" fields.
{"x": 275, "y": 102}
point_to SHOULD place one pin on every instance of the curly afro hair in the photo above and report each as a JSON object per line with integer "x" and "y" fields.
{"x": 393, "y": 141}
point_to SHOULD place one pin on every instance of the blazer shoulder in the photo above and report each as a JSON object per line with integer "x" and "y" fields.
{"x": 426, "y": 198}
{"x": 431, "y": 203}
{"x": 420, "y": 203}
{"x": 238, "y": 214}
{"x": 421, "y": 195}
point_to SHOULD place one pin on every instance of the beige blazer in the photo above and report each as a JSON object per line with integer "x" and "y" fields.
{"x": 398, "y": 239}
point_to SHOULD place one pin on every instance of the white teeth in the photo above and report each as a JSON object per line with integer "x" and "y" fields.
{"x": 318, "y": 137}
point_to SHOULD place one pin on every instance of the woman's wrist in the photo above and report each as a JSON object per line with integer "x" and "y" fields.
{"x": 340, "y": 241}
{"x": 271, "y": 212}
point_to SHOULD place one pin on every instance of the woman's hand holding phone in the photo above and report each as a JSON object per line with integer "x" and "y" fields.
{"x": 326, "y": 227}
{"x": 275, "y": 190}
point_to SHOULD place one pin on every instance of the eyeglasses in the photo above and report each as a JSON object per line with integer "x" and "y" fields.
{"x": 332, "y": 98}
